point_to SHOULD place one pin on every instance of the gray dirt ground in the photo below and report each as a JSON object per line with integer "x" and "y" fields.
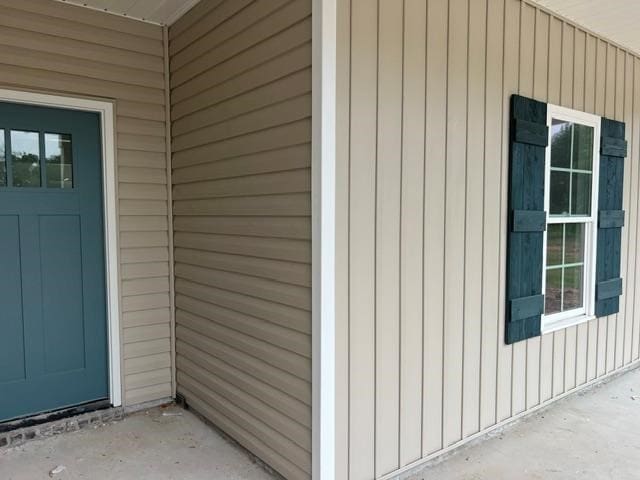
{"x": 144, "y": 446}
{"x": 594, "y": 435}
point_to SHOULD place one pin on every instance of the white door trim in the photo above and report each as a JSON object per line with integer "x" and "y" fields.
{"x": 323, "y": 171}
{"x": 110, "y": 205}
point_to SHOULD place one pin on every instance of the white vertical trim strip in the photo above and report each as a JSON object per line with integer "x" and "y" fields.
{"x": 111, "y": 229}
{"x": 323, "y": 237}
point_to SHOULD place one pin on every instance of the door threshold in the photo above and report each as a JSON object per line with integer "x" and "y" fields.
{"x": 53, "y": 416}
{"x": 91, "y": 415}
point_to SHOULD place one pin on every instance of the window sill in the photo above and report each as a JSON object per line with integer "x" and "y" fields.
{"x": 565, "y": 323}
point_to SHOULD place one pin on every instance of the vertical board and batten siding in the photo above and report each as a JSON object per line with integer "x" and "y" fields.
{"x": 423, "y": 100}
{"x": 67, "y": 50}
{"x": 241, "y": 126}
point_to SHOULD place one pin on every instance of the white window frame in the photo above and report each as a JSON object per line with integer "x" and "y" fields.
{"x": 569, "y": 318}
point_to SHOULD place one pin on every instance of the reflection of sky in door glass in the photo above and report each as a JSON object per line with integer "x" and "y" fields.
{"x": 25, "y": 155}
{"x": 24, "y": 142}
{"x": 53, "y": 143}
{"x": 57, "y": 151}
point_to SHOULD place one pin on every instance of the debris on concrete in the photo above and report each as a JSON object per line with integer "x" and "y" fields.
{"x": 56, "y": 471}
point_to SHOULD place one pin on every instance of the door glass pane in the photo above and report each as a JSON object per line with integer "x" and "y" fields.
{"x": 553, "y": 293}
{"x": 582, "y": 147}
{"x": 572, "y": 288}
{"x": 559, "y": 193}
{"x": 554, "y": 244}
{"x": 3, "y": 162}
{"x": 560, "y": 144}
{"x": 57, "y": 151}
{"x": 581, "y": 194}
{"x": 25, "y": 158}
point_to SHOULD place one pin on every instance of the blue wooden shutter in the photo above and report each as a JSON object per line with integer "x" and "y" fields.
{"x": 527, "y": 219}
{"x": 613, "y": 149}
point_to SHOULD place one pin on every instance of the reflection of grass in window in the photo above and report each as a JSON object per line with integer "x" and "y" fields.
{"x": 26, "y": 170}
{"x": 554, "y": 244}
{"x": 553, "y": 293}
{"x": 572, "y": 288}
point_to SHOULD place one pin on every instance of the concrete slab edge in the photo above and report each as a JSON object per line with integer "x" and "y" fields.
{"x": 418, "y": 466}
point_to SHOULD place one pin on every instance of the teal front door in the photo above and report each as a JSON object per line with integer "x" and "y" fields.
{"x": 53, "y": 333}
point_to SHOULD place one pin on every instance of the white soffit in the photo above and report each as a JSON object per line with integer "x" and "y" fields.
{"x": 615, "y": 20}
{"x": 161, "y": 12}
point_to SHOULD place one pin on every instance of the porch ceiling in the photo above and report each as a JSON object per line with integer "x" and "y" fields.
{"x": 617, "y": 20}
{"x": 163, "y": 12}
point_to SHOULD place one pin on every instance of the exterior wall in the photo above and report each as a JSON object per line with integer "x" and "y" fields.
{"x": 56, "y": 48}
{"x": 423, "y": 102}
{"x": 241, "y": 128}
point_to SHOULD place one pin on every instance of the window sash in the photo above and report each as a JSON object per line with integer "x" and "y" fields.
{"x": 562, "y": 319}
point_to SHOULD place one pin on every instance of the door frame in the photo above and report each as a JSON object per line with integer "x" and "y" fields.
{"x": 105, "y": 108}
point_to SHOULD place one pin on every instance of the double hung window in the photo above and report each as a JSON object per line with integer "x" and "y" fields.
{"x": 571, "y": 191}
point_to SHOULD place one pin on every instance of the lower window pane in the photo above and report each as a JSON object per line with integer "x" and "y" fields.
{"x": 564, "y": 284}
{"x": 553, "y": 293}
{"x": 555, "y": 234}
{"x": 573, "y": 282}
{"x": 574, "y": 243}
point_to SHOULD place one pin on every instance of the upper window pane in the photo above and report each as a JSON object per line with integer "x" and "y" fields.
{"x": 581, "y": 194}
{"x": 582, "y": 147}
{"x": 559, "y": 192}
{"x": 57, "y": 151}
{"x": 25, "y": 158}
{"x": 561, "y": 137}
{"x": 3, "y": 162}
{"x": 571, "y": 168}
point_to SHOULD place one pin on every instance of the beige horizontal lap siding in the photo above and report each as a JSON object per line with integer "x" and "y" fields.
{"x": 422, "y": 181}
{"x": 241, "y": 128}
{"x": 66, "y": 50}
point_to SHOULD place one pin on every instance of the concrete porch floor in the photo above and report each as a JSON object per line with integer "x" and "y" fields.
{"x": 157, "y": 444}
{"x": 592, "y": 435}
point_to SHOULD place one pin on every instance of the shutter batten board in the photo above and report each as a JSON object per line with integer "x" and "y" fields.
{"x": 528, "y": 140}
{"x": 526, "y": 307}
{"x": 609, "y": 289}
{"x": 531, "y": 133}
{"x": 529, "y": 221}
{"x": 613, "y": 149}
{"x": 611, "y": 219}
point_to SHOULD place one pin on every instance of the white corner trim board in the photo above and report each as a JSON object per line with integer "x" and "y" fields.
{"x": 110, "y": 187}
{"x": 323, "y": 168}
